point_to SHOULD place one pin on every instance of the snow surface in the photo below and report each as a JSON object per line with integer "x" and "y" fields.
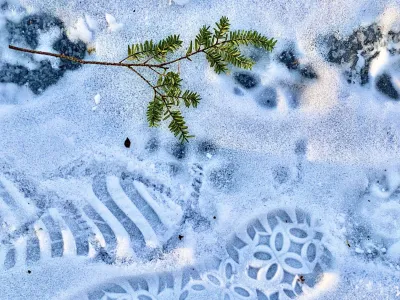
{"x": 325, "y": 147}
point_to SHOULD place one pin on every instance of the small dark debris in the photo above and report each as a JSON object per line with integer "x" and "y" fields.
{"x": 214, "y": 217}
{"x": 180, "y": 237}
{"x": 29, "y": 271}
{"x": 347, "y": 243}
{"x": 127, "y": 143}
{"x": 301, "y": 279}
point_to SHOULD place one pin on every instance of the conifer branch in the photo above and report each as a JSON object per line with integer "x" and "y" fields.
{"x": 220, "y": 46}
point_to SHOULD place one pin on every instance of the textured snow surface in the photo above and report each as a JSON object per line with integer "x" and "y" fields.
{"x": 291, "y": 188}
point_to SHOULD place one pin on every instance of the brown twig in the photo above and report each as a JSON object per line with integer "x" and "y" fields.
{"x": 117, "y": 64}
{"x": 86, "y": 62}
{"x": 141, "y": 52}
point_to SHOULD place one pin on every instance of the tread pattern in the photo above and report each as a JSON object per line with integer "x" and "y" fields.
{"x": 278, "y": 255}
{"x": 125, "y": 216}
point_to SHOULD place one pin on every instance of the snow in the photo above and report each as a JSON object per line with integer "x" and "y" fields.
{"x": 81, "y": 31}
{"x": 181, "y": 2}
{"x": 328, "y": 148}
{"x": 112, "y": 23}
{"x": 97, "y": 99}
{"x": 394, "y": 251}
{"x": 91, "y": 23}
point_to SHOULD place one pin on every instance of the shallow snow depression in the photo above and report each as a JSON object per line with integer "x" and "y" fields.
{"x": 289, "y": 190}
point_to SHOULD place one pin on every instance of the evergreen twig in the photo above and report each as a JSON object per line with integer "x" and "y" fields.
{"x": 220, "y": 46}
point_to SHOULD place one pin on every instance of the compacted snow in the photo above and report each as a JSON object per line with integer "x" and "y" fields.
{"x": 291, "y": 188}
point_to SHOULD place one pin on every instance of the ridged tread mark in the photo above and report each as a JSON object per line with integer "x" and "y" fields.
{"x": 6, "y": 196}
{"x": 134, "y": 288}
{"x": 15, "y": 205}
{"x": 67, "y": 236}
{"x": 171, "y": 285}
{"x": 99, "y": 228}
{"x": 131, "y": 211}
{"x": 166, "y": 281}
{"x": 81, "y": 239}
{"x": 21, "y": 203}
{"x": 79, "y": 229}
{"x": 253, "y": 276}
{"x": 44, "y": 238}
{"x": 8, "y": 209}
{"x": 192, "y": 209}
{"x": 10, "y": 259}
{"x": 127, "y": 184}
{"x": 50, "y": 234}
{"x": 62, "y": 234}
{"x": 161, "y": 188}
{"x": 18, "y": 212}
{"x": 197, "y": 183}
{"x": 136, "y": 237}
{"x": 32, "y": 250}
{"x": 8, "y": 217}
{"x": 123, "y": 246}
{"x": 54, "y": 231}
{"x": 106, "y": 231}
